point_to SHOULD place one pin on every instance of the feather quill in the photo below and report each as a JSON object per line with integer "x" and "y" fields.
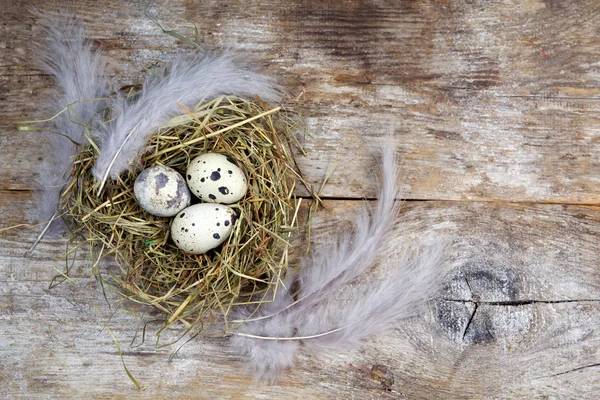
{"x": 189, "y": 81}
{"x": 265, "y": 358}
{"x": 79, "y": 73}
{"x": 269, "y": 339}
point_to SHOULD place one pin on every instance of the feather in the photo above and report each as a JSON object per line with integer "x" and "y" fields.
{"x": 266, "y": 359}
{"x": 79, "y": 74}
{"x": 318, "y": 318}
{"x": 332, "y": 265}
{"x": 189, "y": 81}
{"x": 401, "y": 294}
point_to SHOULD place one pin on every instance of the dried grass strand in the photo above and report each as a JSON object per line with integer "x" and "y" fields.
{"x": 153, "y": 270}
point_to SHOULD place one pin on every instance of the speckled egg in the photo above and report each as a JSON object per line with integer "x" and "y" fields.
{"x": 216, "y": 178}
{"x": 161, "y": 191}
{"x": 202, "y": 227}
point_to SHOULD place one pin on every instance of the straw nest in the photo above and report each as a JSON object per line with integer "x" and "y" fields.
{"x": 153, "y": 270}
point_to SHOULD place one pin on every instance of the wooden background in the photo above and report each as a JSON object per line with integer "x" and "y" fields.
{"x": 494, "y": 107}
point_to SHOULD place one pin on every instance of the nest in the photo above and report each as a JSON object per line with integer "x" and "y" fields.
{"x": 153, "y": 270}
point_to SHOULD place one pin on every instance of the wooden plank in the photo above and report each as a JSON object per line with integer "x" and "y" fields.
{"x": 456, "y": 45}
{"x": 488, "y": 103}
{"x": 520, "y": 304}
{"x": 481, "y": 110}
{"x": 509, "y": 150}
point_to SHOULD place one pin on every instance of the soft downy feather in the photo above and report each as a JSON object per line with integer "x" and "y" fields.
{"x": 400, "y": 294}
{"x": 333, "y": 264}
{"x": 79, "y": 74}
{"x": 269, "y": 339}
{"x": 266, "y": 358}
{"x": 190, "y": 80}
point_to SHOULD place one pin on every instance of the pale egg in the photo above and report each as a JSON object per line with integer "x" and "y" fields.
{"x": 202, "y": 227}
{"x": 161, "y": 191}
{"x": 216, "y": 178}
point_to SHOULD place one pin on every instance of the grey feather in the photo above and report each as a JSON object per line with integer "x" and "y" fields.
{"x": 79, "y": 74}
{"x": 189, "y": 81}
{"x": 333, "y": 264}
{"x": 266, "y": 359}
{"x": 401, "y": 294}
{"x": 318, "y": 318}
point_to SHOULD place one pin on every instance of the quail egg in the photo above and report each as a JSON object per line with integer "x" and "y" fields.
{"x": 202, "y": 227}
{"x": 161, "y": 191}
{"x": 216, "y": 178}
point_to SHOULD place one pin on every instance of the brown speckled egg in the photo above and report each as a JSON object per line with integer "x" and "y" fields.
{"x": 161, "y": 191}
{"x": 202, "y": 227}
{"x": 216, "y": 178}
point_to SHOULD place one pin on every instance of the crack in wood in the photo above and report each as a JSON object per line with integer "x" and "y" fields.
{"x": 511, "y": 303}
{"x": 468, "y": 284}
{"x": 577, "y": 369}
{"x": 471, "y": 301}
{"x": 469, "y": 322}
{"x": 495, "y": 201}
{"x": 516, "y": 303}
{"x": 341, "y": 198}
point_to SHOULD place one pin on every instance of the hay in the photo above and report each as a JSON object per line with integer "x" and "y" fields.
{"x": 153, "y": 270}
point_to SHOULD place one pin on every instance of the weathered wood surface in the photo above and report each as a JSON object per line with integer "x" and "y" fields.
{"x": 494, "y": 106}
{"x": 494, "y": 102}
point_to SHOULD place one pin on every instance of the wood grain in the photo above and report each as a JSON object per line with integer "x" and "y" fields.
{"x": 494, "y": 110}
{"x": 481, "y": 110}
{"x": 513, "y": 307}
